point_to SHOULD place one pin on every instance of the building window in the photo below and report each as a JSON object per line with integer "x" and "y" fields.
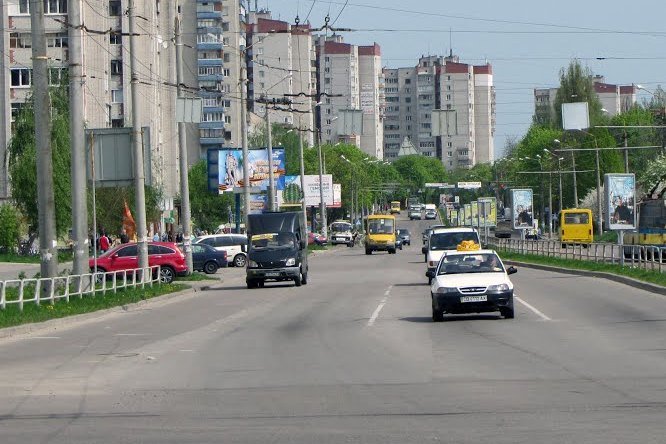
{"x": 227, "y": 119}
{"x": 449, "y": 154}
{"x": 448, "y": 97}
{"x": 57, "y": 76}
{"x": 21, "y": 77}
{"x": 408, "y": 81}
{"x": 23, "y": 7}
{"x": 213, "y": 117}
{"x": 226, "y": 57}
{"x": 449, "y": 144}
{"x": 115, "y": 38}
{"x": 116, "y": 96}
{"x": 408, "y": 100}
{"x": 226, "y": 72}
{"x": 50, "y": 6}
{"x": 328, "y": 132}
{"x": 114, "y": 8}
{"x": 116, "y": 67}
{"x": 117, "y": 123}
{"x": 17, "y": 40}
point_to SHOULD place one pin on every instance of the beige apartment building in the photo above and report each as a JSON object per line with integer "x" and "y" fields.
{"x": 106, "y": 70}
{"x": 351, "y": 80}
{"x": 281, "y": 66}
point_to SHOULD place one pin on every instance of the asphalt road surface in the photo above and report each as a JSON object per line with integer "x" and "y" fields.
{"x": 352, "y": 357}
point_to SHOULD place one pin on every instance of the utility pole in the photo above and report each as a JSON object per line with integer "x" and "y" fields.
{"x": 48, "y": 248}
{"x": 322, "y": 204}
{"x": 271, "y": 176}
{"x": 575, "y": 185}
{"x": 77, "y": 140}
{"x": 246, "y": 151}
{"x": 600, "y": 229}
{"x": 137, "y": 144}
{"x": 182, "y": 148}
{"x": 302, "y": 171}
{"x": 626, "y": 153}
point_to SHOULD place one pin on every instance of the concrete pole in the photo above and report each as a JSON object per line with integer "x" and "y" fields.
{"x": 77, "y": 140}
{"x": 575, "y": 185}
{"x": 322, "y": 203}
{"x": 626, "y": 154}
{"x": 48, "y": 248}
{"x": 302, "y": 172}
{"x": 246, "y": 151}
{"x": 182, "y": 150}
{"x": 600, "y": 228}
{"x": 559, "y": 170}
{"x": 137, "y": 144}
{"x": 550, "y": 204}
{"x": 271, "y": 176}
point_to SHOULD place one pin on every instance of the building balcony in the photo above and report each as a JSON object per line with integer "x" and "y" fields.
{"x": 209, "y": 15}
{"x": 209, "y": 62}
{"x": 211, "y": 77}
{"x": 209, "y": 46}
{"x": 211, "y": 125}
{"x": 211, "y": 140}
{"x": 214, "y": 109}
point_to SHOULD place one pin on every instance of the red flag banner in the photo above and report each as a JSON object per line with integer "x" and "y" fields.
{"x": 128, "y": 223}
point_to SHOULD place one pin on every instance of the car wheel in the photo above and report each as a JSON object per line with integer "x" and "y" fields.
{"x": 298, "y": 280}
{"x": 239, "y": 260}
{"x": 251, "y": 283}
{"x": 429, "y": 281}
{"x": 167, "y": 275}
{"x": 304, "y": 279}
{"x": 507, "y": 312}
{"x": 368, "y": 251}
{"x": 210, "y": 267}
{"x": 437, "y": 315}
{"x": 261, "y": 284}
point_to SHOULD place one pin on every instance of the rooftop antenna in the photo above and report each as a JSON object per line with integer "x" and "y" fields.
{"x": 450, "y": 42}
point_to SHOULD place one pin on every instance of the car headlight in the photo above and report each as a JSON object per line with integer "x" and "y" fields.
{"x": 447, "y": 290}
{"x": 252, "y": 264}
{"x": 291, "y": 262}
{"x": 499, "y": 287}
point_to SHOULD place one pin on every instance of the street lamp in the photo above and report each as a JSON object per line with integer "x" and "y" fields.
{"x": 353, "y": 207}
{"x": 573, "y": 165}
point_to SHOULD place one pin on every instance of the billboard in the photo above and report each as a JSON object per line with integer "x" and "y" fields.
{"x": 620, "y": 201}
{"x": 230, "y": 169}
{"x": 468, "y": 215}
{"x": 488, "y": 211}
{"x": 292, "y": 194}
{"x": 337, "y": 196}
{"x": 453, "y": 216}
{"x": 521, "y": 208}
{"x": 475, "y": 213}
{"x": 258, "y": 203}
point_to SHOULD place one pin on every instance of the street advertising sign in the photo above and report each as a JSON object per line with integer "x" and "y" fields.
{"x": 456, "y": 199}
{"x": 230, "y": 169}
{"x": 436, "y": 185}
{"x": 475, "y": 213}
{"x": 468, "y": 215}
{"x": 469, "y": 185}
{"x": 620, "y": 201}
{"x": 337, "y": 196}
{"x": 453, "y": 216}
{"x": 488, "y": 211}
{"x": 521, "y": 208}
{"x": 292, "y": 193}
{"x": 258, "y": 203}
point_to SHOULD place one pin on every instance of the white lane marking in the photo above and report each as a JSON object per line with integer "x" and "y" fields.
{"x": 187, "y": 350}
{"x": 46, "y": 337}
{"x": 132, "y": 334}
{"x": 534, "y": 309}
{"x": 375, "y": 314}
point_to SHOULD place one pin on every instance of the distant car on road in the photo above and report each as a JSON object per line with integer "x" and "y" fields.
{"x": 472, "y": 281}
{"x": 207, "y": 259}
{"x": 316, "y": 238}
{"x": 404, "y": 236}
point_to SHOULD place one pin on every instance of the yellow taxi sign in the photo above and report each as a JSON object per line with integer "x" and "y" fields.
{"x": 268, "y": 236}
{"x": 468, "y": 245}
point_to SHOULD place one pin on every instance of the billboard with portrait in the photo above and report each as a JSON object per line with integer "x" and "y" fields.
{"x": 488, "y": 211}
{"x": 475, "y": 213}
{"x": 453, "y": 216}
{"x": 230, "y": 168}
{"x": 521, "y": 208}
{"x": 468, "y": 215}
{"x": 620, "y": 201}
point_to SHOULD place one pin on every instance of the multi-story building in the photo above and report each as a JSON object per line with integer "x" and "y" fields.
{"x": 437, "y": 83}
{"x": 281, "y": 66}
{"x": 350, "y": 80}
{"x": 106, "y": 68}
{"x": 615, "y": 99}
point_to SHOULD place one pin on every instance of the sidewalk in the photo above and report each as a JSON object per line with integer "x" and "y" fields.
{"x": 11, "y": 270}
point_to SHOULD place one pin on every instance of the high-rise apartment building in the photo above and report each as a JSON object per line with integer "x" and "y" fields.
{"x": 350, "y": 80}
{"x": 615, "y": 99}
{"x": 441, "y": 83}
{"x": 106, "y": 70}
{"x": 281, "y": 65}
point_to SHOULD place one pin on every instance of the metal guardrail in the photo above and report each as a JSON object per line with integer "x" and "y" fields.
{"x": 49, "y": 290}
{"x": 634, "y": 256}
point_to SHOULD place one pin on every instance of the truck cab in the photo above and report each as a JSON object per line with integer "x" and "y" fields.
{"x": 277, "y": 249}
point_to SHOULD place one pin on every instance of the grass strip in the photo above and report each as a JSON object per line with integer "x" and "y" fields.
{"x": 63, "y": 256}
{"x": 651, "y": 276}
{"x": 197, "y": 277}
{"x": 32, "y": 312}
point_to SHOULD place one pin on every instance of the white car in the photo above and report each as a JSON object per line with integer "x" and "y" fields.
{"x": 234, "y": 244}
{"x": 341, "y": 232}
{"x": 472, "y": 281}
{"x": 446, "y": 240}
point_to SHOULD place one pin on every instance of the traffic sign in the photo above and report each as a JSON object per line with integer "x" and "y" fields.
{"x": 469, "y": 185}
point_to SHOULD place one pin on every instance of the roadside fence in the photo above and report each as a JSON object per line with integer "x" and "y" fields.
{"x": 49, "y": 290}
{"x": 635, "y": 256}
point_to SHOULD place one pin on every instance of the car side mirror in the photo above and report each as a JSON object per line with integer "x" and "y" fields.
{"x": 424, "y": 250}
{"x": 430, "y": 274}
{"x": 511, "y": 270}
{"x": 115, "y": 256}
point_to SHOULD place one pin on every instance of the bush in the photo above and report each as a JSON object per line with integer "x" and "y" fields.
{"x": 9, "y": 228}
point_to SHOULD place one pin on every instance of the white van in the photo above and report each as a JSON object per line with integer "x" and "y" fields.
{"x": 234, "y": 244}
{"x": 430, "y": 211}
{"x": 445, "y": 240}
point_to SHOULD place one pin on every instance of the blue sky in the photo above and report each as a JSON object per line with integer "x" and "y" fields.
{"x": 527, "y": 42}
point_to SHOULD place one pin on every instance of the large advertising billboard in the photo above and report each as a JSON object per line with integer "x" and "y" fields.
{"x": 291, "y": 196}
{"x": 521, "y": 208}
{"x": 620, "y": 201}
{"x": 468, "y": 215}
{"x": 475, "y": 213}
{"x": 230, "y": 168}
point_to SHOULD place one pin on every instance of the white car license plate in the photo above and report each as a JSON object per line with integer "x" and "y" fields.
{"x": 473, "y": 298}
{"x": 272, "y": 274}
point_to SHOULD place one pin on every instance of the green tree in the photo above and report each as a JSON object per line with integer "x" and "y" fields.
{"x": 10, "y": 221}
{"x": 110, "y": 205}
{"x": 208, "y": 209}
{"x": 23, "y": 162}
{"x": 576, "y": 85}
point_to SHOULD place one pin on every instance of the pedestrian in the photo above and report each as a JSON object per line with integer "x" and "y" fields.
{"x": 156, "y": 237}
{"x": 124, "y": 238}
{"x": 104, "y": 243}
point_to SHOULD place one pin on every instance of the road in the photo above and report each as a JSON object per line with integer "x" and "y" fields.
{"x": 352, "y": 357}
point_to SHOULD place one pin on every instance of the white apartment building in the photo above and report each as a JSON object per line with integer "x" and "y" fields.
{"x": 615, "y": 99}
{"x": 439, "y": 83}
{"x": 281, "y": 65}
{"x": 351, "y": 79}
{"x": 106, "y": 70}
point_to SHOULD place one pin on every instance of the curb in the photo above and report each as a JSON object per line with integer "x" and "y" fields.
{"x": 635, "y": 283}
{"x": 54, "y": 324}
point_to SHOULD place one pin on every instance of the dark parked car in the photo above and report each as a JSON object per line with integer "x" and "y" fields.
{"x": 404, "y": 235}
{"x": 207, "y": 259}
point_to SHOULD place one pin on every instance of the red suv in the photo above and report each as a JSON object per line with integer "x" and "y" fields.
{"x": 124, "y": 257}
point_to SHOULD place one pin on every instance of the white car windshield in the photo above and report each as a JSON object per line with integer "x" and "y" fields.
{"x": 470, "y": 263}
{"x": 449, "y": 241}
